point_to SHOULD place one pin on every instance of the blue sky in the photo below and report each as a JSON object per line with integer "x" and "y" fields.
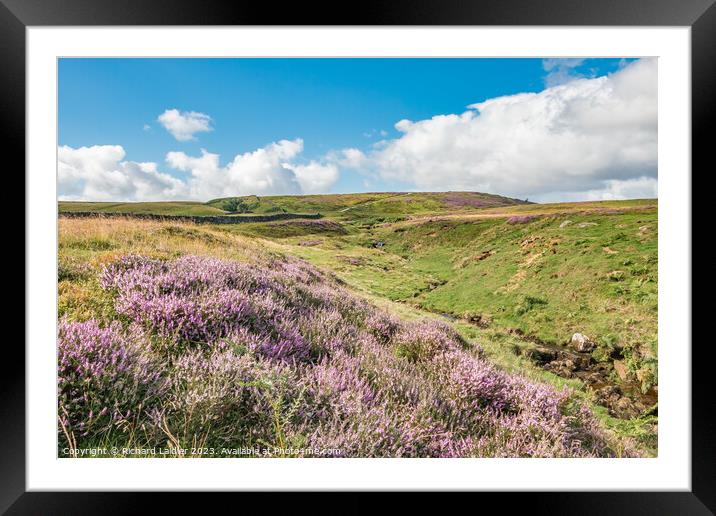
{"x": 329, "y": 105}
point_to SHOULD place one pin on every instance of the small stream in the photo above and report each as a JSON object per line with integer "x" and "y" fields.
{"x": 624, "y": 400}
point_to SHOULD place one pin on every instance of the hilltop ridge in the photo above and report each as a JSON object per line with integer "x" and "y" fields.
{"x": 348, "y": 206}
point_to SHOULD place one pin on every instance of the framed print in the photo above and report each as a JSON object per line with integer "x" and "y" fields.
{"x": 435, "y": 249}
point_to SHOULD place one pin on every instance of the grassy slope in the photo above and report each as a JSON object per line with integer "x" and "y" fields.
{"x": 597, "y": 274}
{"x": 449, "y": 256}
{"x": 361, "y": 205}
{"x": 546, "y": 280}
{"x": 159, "y": 208}
{"x": 343, "y": 206}
{"x": 86, "y": 244}
{"x": 591, "y": 278}
{"x": 326, "y": 204}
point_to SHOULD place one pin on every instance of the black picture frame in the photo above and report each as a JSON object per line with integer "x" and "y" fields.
{"x": 700, "y": 15}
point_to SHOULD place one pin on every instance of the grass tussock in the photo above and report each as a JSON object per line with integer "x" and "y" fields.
{"x": 96, "y": 240}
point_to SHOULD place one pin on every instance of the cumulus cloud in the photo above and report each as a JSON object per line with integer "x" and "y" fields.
{"x": 183, "y": 125}
{"x": 263, "y": 171}
{"x": 349, "y": 158}
{"x": 587, "y": 137}
{"x": 582, "y": 139}
{"x": 613, "y": 189}
{"x": 98, "y": 173}
{"x": 314, "y": 177}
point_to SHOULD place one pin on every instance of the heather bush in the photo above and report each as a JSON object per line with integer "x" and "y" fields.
{"x": 282, "y": 355}
{"x": 423, "y": 340}
{"x": 521, "y": 219}
{"x": 199, "y": 300}
{"x": 382, "y": 326}
{"x": 222, "y": 398}
{"x": 327, "y": 331}
{"x": 377, "y": 433}
{"x": 354, "y": 416}
{"x": 105, "y": 377}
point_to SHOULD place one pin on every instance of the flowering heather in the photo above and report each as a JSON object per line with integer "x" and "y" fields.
{"x": 465, "y": 199}
{"x": 231, "y": 354}
{"x": 521, "y": 219}
{"x": 199, "y": 300}
{"x": 224, "y": 393}
{"x": 104, "y": 376}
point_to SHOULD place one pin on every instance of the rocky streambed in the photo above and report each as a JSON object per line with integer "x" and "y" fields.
{"x": 623, "y": 399}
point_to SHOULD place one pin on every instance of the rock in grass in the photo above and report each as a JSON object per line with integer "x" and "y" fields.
{"x": 621, "y": 370}
{"x": 582, "y": 343}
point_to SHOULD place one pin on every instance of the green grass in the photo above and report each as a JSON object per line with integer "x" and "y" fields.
{"x": 288, "y": 228}
{"x": 590, "y": 272}
{"x": 369, "y": 207}
{"x": 507, "y": 352}
{"x": 585, "y": 278}
{"x": 578, "y": 267}
{"x": 159, "y": 208}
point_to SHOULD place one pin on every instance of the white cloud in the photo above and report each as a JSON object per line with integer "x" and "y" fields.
{"x": 583, "y": 139}
{"x": 314, "y": 177}
{"x": 588, "y": 136}
{"x": 613, "y": 189}
{"x": 262, "y": 171}
{"x": 98, "y": 173}
{"x": 561, "y": 70}
{"x": 270, "y": 170}
{"x": 348, "y": 158}
{"x": 183, "y": 125}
